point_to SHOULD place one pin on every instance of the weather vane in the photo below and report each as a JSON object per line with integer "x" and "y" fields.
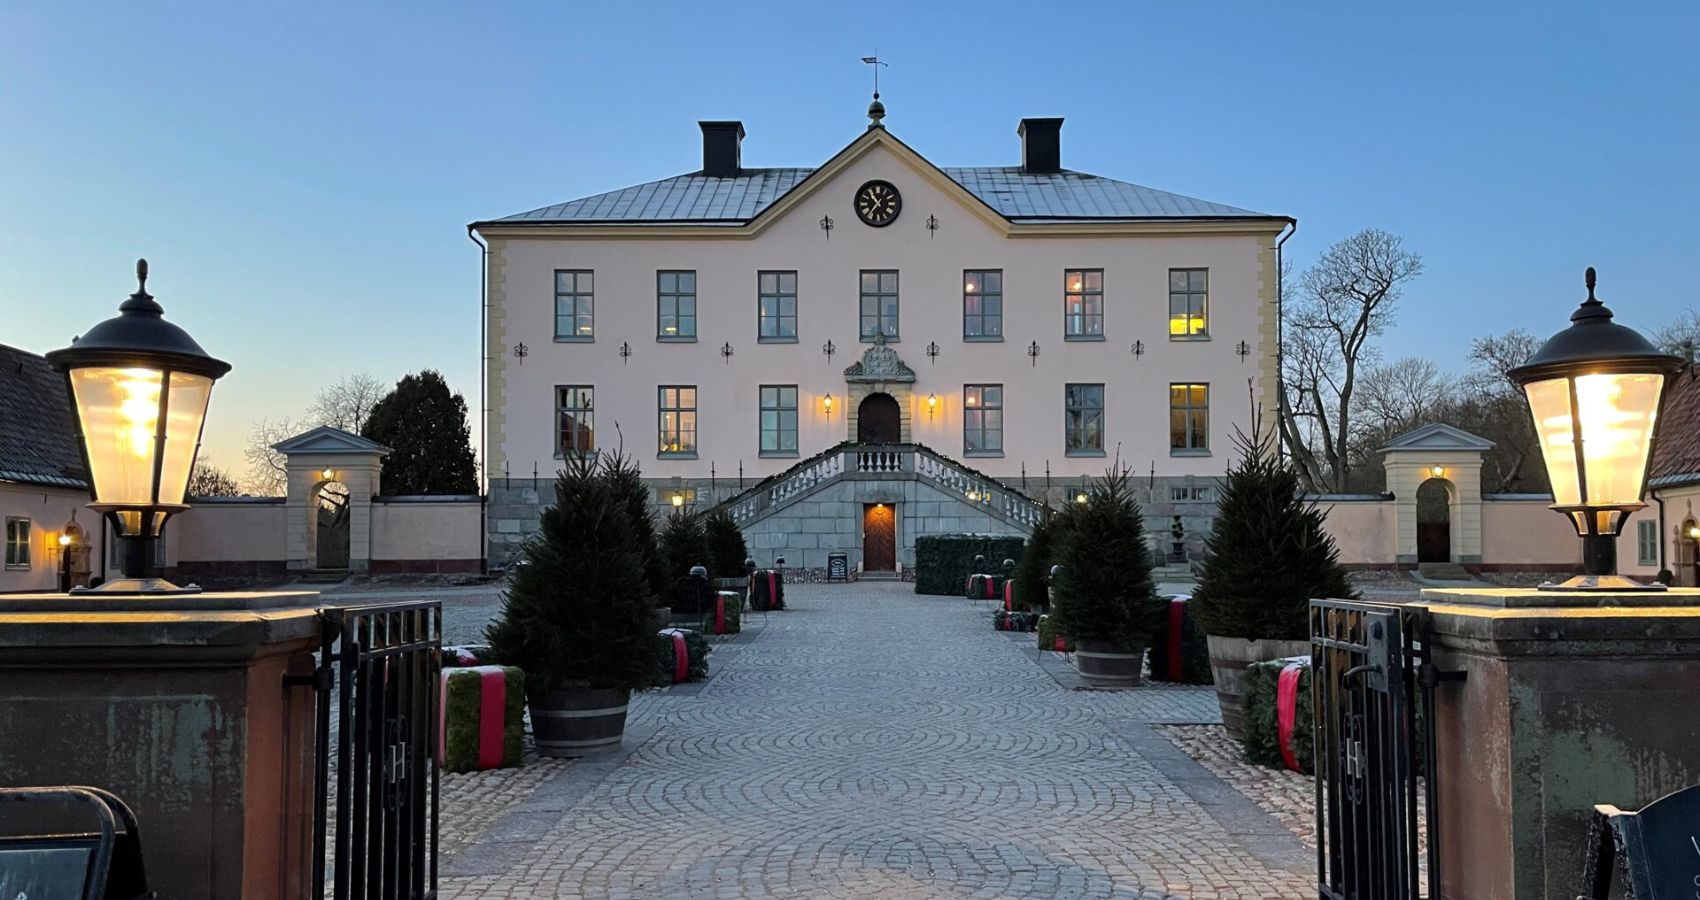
{"x": 876, "y": 63}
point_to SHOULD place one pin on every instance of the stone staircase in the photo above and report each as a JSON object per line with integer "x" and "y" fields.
{"x": 851, "y": 461}
{"x": 1444, "y": 572}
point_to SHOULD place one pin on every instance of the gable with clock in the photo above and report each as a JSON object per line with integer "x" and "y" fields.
{"x": 878, "y": 203}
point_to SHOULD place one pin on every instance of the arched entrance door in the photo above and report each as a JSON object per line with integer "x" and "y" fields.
{"x": 331, "y": 520}
{"x": 1434, "y": 522}
{"x": 878, "y": 420}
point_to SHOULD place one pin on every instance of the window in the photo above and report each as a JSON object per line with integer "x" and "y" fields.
{"x": 575, "y": 420}
{"x": 982, "y": 305}
{"x": 675, "y": 306}
{"x": 1189, "y": 493}
{"x": 982, "y": 419}
{"x": 17, "y": 543}
{"x": 879, "y": 304}
{"x": 574, "y": 299}
{"x": 1189, "y": 303}
{"x": 776, "y": 309}
{"x": 1083, "y": 305}
{"x": 778, "y": 420}
{"x": 1084, "y": 431}
{"x": 678, "y": 420}
{"x": 1647, "y": 543}
{"x": 1189, "y": 419}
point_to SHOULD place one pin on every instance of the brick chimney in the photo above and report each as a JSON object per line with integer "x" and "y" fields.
{"x": 1041, "y": 146}
{"x": 720, "y": 142}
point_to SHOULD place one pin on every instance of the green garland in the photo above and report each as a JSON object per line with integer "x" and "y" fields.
{"x": 460, "y": 719}
{"x": 1262, "y": 731}
{"x": 696, "y": 651}
{"x": 1195, "y": 653}
{"x": 943, "y": 562}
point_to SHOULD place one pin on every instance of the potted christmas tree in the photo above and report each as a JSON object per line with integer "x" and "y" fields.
{"x": 683, "y": 546}
{"x": 726, "y": 551}
{"x": 577, "y": 617}
{"x": 1268, "y": 557}
{"x": 628, "y": 484}
{"x": 1106, "y": 602}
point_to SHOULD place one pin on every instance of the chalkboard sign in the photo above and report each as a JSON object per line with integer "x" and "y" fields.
{"x": 1657, "y": 850}
{"x": 43, "y": 870}
{"x": 837, "y": 567}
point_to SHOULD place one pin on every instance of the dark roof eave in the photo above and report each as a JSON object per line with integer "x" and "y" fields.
{"x": 733, "y": 223}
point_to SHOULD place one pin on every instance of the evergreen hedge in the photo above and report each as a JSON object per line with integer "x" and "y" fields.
{"x": 1104, "y": 592}
{"x": 1195, "y": 652}
{"x": 580, "y": 613}
{"x": 943, "y": 562}
{"x": 461, "y": 726}
{"x": 1267, "y": 555}
{"x": 1262, "y": 731}
{"x": 696, "y": 650}
{"x": 726, "y": 548}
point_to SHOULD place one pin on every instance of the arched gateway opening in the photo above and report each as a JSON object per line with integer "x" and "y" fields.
{"x": 879, "y": 420}
{"x": 1434, "y": 522}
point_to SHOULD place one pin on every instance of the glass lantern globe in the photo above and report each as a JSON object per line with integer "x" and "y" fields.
{"x": 140, "y": 387}
{"x": 1594, "y": 393}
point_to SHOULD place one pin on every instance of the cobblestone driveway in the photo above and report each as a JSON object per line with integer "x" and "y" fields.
{"x": 870, "y": 742}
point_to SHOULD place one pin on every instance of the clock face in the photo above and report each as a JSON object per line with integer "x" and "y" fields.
{"x": 878, "y": 203}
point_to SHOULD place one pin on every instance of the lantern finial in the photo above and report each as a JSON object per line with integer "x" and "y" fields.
{"x": 141, "y": 301}
{"x": 142, "y": 276}
{"x": 1589, "y": 279}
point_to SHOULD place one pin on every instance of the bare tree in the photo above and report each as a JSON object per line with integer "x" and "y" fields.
{"x": 347, "y": 403}
{"x": 1680, "y": 336}
{"x": 1344, "y": 300}
{"x": 267, "y": 475}
{"x": 208, "y": 480}
{"x": 1404, "y": 394}
{"x": 1493, "y": 406}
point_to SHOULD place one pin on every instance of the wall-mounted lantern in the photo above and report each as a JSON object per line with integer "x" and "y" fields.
{"x": 140, "y": 387}
{"x": 1437, "y": 471}
{"x": 932, "y": 405}
{"x": 678, "y": 500}
{"x": 826, "y": 405}
{"x": 1594, "y": 391}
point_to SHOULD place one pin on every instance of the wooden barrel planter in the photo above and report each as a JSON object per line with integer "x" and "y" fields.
{"x": 573, "y": 723}
{"x": 1105, "y": 665}
{"x": 663, "y": 617}
{"x": 1228, "y": 660}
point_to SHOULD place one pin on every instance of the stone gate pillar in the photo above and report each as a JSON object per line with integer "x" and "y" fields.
{"x": 1452, "y": 457}
{"x": 314, "y": 459}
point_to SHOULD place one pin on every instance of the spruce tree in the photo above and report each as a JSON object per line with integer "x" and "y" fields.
{"x": 1105, "y": 592}
{"x": 725, "y": 545}
{"x": 1032, "y": 574}
{"x": 424, "y": 425}
{"x": 1268, "y": 554}
{"x": 578, "y": 615}
{"x": 683, "y": 544}
{"x": 627, "y": 480}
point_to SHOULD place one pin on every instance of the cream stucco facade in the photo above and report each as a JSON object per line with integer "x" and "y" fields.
{"x": 625, "y": 363}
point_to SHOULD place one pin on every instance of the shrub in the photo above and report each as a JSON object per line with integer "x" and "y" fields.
{"x": 1262, "y": 732}
{"x": 1049, "y": 633}
{"x": 683, "y": 544}
{"x": 1104, "y": 592}
{"x": 1195, "y": 652}
{"x": 579, "y": 613}
{"x": 1267, "y": 556}
{"x": 463, "y": 703}
{"x": 726, "y": 548}
{"x": 696, "y": 652}
{"x": 943, "y": 562}
{"x": 627, "y": 481}
{"x": 1033, "y": 573}
{"x": 767, "y": 590}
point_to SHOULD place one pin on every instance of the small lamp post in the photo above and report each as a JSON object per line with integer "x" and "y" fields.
{"x": 65, "y": 542}
{"x": 140, "y": 387}
{"x": 1594, "y": 391}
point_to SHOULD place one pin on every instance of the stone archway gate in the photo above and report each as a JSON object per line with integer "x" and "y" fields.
{"x": 1453, "y": 457}
{"x": 313, "y": 459}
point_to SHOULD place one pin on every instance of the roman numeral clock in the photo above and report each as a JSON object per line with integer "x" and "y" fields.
{"x": 878, "y": 203}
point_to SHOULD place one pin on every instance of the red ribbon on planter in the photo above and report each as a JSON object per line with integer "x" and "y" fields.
{"x": 443, "y": 719}
{"x": 719, "y": 614}
{"x": 681, "y": 655}
{"x": 991, "y": 588}
{"x": 492, "y": 715}
{"x": 772, "y": 589}
{"x": 1061, "y": 645}
{"x": 1009, "y": 595}
{"x": 1287, "y": 711}
{"x": 1177, "y": 618}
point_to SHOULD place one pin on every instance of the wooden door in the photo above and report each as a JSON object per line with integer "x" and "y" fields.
{"x": 878, "y": 420}
{"x": 879, "y": 538}
{"x": 1434, "y": 542}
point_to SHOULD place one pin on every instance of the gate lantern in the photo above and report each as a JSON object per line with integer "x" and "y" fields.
{"x": 1594, "y": 391}
{"x": 140, "y": 387}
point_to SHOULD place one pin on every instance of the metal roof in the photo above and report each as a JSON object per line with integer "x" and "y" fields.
{"x": 38, "y": 440}
{"x": 1016, "y": 195}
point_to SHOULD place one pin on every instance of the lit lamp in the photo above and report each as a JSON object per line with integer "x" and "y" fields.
{"x": 826, "y": 405}
{"x": 140, "y": 387}
{"x": 1080, "y": 497}
{"x": 932, "y": 404}
{"x": 1437, "y": 471}
{"x": 678, "y": 501}
{"x": 1694, "y": 532}
{"x": 1594, "y": 391}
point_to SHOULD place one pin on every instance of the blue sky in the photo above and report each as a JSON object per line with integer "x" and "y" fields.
{"x": 300, "y": 175}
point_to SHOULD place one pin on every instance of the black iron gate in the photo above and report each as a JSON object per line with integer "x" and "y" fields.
{"x": 378, "y": 680}
{"x": 1373, "y": 687}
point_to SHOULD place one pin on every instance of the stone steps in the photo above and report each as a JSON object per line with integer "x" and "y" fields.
{"x": 1444, "y": 572}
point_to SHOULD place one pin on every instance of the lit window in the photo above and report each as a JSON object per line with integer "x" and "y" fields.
{"x": 777, "y": 306}
{"x": 1083, "y": 304}
{"x": 982, "y": 419}
{"x": 676, "y": 306}
{"x": 779, "y": 420}
{"x": 1647, "y": 543}
{"x": 574, "y": 304}
{"x": 678, "y": 420}
{"x": 17, "y": 543}
{"x": 879, "y": 304}
{"x": 1084, "y": 419}
{"x": 1189, "y": 303}
{"x": 1189, "y": 418}
{"x": 575, "y": 419}
{"x": 982, "y": 305}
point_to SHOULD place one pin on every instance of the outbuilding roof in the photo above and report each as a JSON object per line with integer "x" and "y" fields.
{"x": 38, "y": 440}
{"x": 1676, "y": 453}
{"x": 700, "y": 199}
